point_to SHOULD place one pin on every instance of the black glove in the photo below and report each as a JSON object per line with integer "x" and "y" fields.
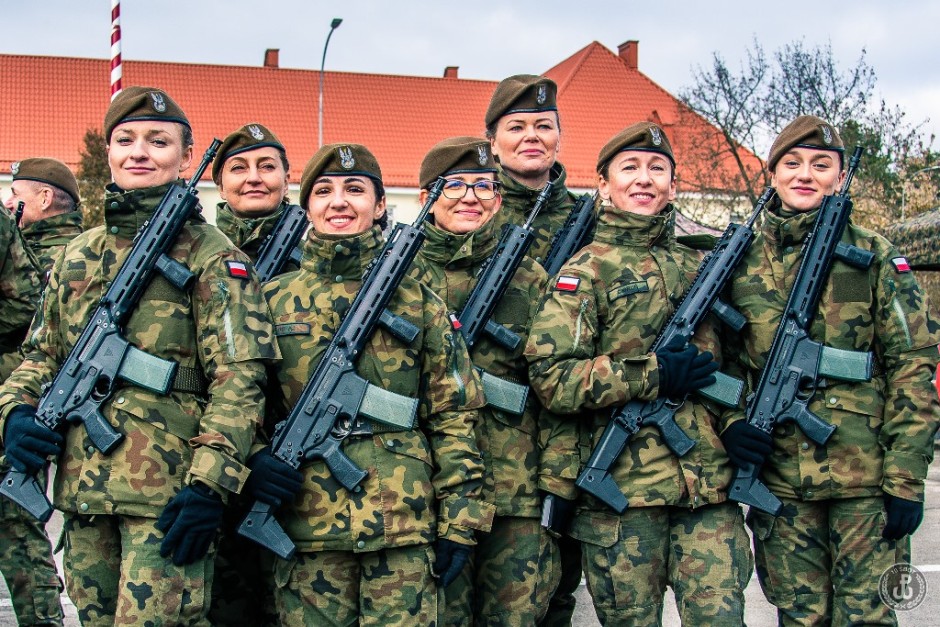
{"x": 904, "y": 517}
{"x": 28, "y": 443}
{"x": 746, "y": 444}
{"x": 557, "y": 513}
{"x": 190, "y": 521}
{"x": 272, "y": 481}
{"x": 683, "y": 369}
{"x": 450, "y": 558}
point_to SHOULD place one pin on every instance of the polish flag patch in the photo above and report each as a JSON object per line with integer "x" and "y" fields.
{"x": 454, "y": 322}
{"x": 567, "y": 283}
{"x": 237, "y": 269}
{"x": 901, "y": 265}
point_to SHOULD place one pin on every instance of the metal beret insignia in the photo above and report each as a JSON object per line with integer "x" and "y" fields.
{"x": 826, "y": 133}
{"x": 656, "y": 136}
{"x": 346, "y": 157}
{"x": 482, "y": 156}
{"x": 15, "y": 168}
{"x": 541, "y": 94}
{"x": 255, "y": 132}
{"x": 158, "y": 102}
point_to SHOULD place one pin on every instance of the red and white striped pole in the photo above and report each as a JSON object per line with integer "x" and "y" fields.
{"x": 116, "y": 71}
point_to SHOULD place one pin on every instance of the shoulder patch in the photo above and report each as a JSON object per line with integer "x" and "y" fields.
{"x": 567, "y": 283}
{"x": 900, "y": 264}
{"x": 237, "y": 269}
{"x": 454, "y": 322}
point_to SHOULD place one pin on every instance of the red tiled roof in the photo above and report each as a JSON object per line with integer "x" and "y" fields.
{"x": 49, "y": 103}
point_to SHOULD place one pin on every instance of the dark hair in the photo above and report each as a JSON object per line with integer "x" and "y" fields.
{"x": 62, "y": 202}
{"x": 379, "y": 195}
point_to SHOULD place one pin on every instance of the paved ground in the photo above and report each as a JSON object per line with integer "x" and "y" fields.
{"x": 758, "y": 612}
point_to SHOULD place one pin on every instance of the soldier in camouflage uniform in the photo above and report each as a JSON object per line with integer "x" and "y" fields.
{"x": 589, "y": 353}
{"x": 51, "y": 218}
{"x": 25, "y": 552}
{"x": 252, "y": 172}
{"x": 524, "y": 129}
{"x": 140, "y": 522}
{"x": 508, "y": 580}
{"x": 369, "y": 555}
{"x": 849, "y": 505}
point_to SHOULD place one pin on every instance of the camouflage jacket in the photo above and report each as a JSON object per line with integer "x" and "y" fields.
{"x": 885, "y": 427}
{"x": 46, "y": 238}
{"x": 20, "y": 289}
{"x": 248, "y": 234}
{"x": 518, "y": 200}
{"x": 422, "y": 483}
{"x": 589, "y": 352}
{"x": 219, "y": 332}
{"x": 449, "y": 264}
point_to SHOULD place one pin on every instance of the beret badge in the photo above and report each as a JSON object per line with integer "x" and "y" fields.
{"x": 481, "y": 154}
{"x": 826, "y": 133}
{"x": 15, "y": 168}
{"x": 541, "y": 94}
{"x": 256, "y": 132}
{"x": 346, "y": 158}
{"x": 159, "y": 104}
{"x": 656, "y": 135}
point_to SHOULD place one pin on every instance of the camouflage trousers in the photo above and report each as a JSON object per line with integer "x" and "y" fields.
{"x": 243, "y": 581}
{"x": 703, "y": 554}
{"x": 27, "y": 565}
{"x": 562, "y": 604}
{"x": 342, "y": 588}
{"x": 509, "y": 578}
{"x": 115, "y": 576}
{"x": 820, "y": 562}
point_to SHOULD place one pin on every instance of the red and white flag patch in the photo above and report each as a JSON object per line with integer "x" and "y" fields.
{"x": 237, "y": 269}
{"x": 454, "y": 322}
{"x": 901, "y": 265}
{"x": 567, "y": 283}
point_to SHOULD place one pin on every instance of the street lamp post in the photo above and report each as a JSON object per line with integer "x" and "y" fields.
{"x": 904, "y": 187}
{"x": 333, "y": 26}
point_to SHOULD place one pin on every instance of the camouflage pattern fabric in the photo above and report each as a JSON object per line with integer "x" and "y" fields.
{"x": 248, "y": 234}
{"x": 703, "y": 554}
{"x": 819, "y": 561}
{"x": 47, "y": 238}
{"x": 509, "y": 578}
{"x": 422, "y": 483}
{"x": 518, "y": 200}
{"x": 885, "y": 427}
{"x": 392, "y": 587}
{"x": 20, "y": 289}
{"x": 222, "y": 327}
{"x": 562, "y": 604}
{"x": 243, "y": 582}
{"x": 505, "y": 580}
{"x": 115, "y": 575}
{"x": 27, "y": 566}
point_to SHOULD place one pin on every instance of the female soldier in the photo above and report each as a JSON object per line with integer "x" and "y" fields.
{"x": 251, "y": 172}
{"x": 849, "y": 505}
{"x": 524, "y": 130}
{"x": 503, "y": 583}
{"x": 588, "y": 353}
{"x": 366, "y": 555}
{"x": 140, "y": 522}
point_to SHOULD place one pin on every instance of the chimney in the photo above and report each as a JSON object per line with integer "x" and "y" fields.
{"x": 629, "y": 51}
{"x": 270, "y": 57}
{"x": 451, "y": 71}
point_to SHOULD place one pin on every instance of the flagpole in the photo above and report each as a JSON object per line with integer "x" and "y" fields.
{"x": 116, "y": 70}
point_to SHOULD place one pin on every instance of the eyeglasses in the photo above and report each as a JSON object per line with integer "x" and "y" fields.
{"x": 455, "y": 189}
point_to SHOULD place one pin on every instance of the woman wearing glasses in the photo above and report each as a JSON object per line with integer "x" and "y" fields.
{"x": 501, "y": 583}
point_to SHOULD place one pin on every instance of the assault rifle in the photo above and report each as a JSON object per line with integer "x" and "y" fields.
{"x": 574, "y": 235}
{"x": 476, "y": 316}
{"x": 335, "y": 395}
{"x": 280, "y": 246}
{"x": 701, "y": 298}
{"x": 86, "y": 378}
{"x": 795, "y": 363}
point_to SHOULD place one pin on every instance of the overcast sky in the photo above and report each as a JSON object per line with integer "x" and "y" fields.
{"x": 491, "y": 40}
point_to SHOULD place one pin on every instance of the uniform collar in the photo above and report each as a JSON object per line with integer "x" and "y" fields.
{"x": 341, "y": 256}
{"x": 632, "y": 229}
{"x": 513, "y": 189}
{"x": 241, "y": 230}
{"x": 69, "y": 224}
{"x": 448, "y": 249}
{"x": 787, "y": 230}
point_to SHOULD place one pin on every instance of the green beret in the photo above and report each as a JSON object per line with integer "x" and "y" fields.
{"x": 645, "y": 136}
{"x": 248, "y": 137}
{"x": 45, "y": 170}
{"x": 338, "y": 160}
{"x": 807, "y": 131}
{"x": 457, "y": 155}
{"x": 522, "y": 93}
{"x": 142, "y": 103}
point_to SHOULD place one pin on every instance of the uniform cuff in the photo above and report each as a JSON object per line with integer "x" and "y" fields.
{"x": 904, "y": 475}
{"x": 219, "y": 471}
